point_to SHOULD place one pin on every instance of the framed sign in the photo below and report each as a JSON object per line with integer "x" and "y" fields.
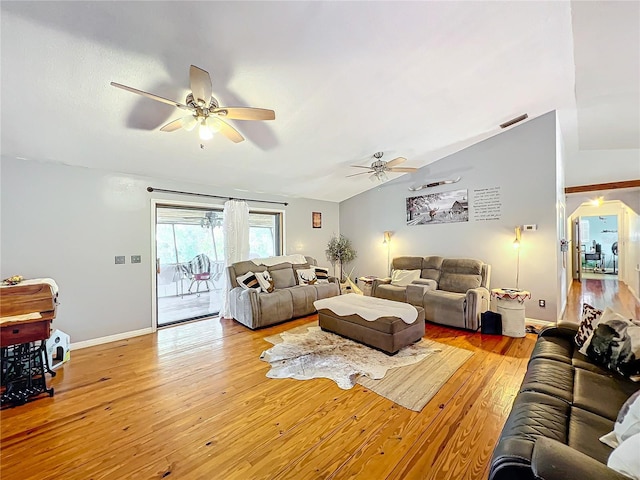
{"x": 445, "y": 207}
{"x": 316, "y": 219}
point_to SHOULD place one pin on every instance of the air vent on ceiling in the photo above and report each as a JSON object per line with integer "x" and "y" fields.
{"x": 514, "y": 121}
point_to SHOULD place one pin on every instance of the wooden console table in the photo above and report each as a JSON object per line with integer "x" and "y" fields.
{"x": 26, "y": 313}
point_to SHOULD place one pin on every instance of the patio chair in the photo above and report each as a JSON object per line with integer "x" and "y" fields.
{"x": 200, "y": 270}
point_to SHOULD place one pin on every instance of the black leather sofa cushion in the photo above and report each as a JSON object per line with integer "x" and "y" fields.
{"x": 584, "y": 428}
{"x": 601, "y": 394}
{"x": 564, "y": 350}
{"x": 550, "y": 377}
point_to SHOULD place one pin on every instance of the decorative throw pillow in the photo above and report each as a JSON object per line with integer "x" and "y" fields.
{"x": 588, "y": 321}
{"x": 306, "y": 276}
{"x": 265, "y": 281}
{"x": 402, "y": 278}
{"x": 615, "y": 343}
{"x": 322, "y": 274}
{"x": 625, "y": 459}
{"x": 627, "y": 423}
{"x": 248, "y": 280}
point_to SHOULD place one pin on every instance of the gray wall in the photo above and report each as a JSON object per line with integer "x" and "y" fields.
{"x": 522, "y": 163}
{"x": 68, "y": 223}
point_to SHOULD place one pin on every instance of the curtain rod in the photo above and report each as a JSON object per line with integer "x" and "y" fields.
{"x": 151, "y": 189}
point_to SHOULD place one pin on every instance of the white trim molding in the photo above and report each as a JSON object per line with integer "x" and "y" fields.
{"x": 111, "y": 338}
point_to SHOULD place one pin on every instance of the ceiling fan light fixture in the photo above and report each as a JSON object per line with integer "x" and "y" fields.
{"x": 189, "y": 122}
{"x": 204, "y": 131}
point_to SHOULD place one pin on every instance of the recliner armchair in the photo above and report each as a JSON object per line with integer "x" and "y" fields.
{"x": 452, "y": 291}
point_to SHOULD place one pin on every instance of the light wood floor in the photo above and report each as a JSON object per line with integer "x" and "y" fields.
{"x": 601, "y": 293}
{"x": 192, "y": 401}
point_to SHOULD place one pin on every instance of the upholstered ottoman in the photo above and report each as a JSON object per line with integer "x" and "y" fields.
{"x": 387, "y": 332}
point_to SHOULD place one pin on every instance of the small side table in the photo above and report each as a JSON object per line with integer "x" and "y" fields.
{"x": 510, "y": 305}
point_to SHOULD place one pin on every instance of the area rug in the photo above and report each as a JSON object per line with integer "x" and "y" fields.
{"x": 410, "y": 378}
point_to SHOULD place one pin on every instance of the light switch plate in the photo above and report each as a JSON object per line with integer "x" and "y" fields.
{"x": 135, "y": 259}
{"x": 120, "y": 259}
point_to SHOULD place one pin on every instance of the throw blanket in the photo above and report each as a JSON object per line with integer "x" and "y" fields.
{"x": 37, "y": 281}
{"x": 369, "y": 308}
{"x": 271, "y": 261}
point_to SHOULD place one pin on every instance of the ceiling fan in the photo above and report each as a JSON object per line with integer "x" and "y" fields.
{"x": 379, "y": 168}
{"x": 204, "y": 109}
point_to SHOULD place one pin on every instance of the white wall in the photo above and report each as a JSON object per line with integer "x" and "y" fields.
{"x": 68, "y": 223}
{"x": 588, "y": 167}
{"x": 631, "y": 221}
{"x": 522, "y": 162}
{"x": 561, "y": 221}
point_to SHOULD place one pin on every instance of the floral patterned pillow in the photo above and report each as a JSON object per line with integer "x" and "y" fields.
{"x": 588, "y": 322}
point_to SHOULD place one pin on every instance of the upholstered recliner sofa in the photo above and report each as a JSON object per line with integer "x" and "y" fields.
{"x": 452, "y": 291}
{"x": 565, "y": 404}
{"x": 256, "y": 309}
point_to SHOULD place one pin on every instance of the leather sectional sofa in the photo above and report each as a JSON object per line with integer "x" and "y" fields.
{"x": 289, "y": 300}
{"x": 452, "y": 291}
{"x": 565, "y": 404}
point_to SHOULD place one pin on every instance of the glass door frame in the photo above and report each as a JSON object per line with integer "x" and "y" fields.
{"x": 160, "y": 202}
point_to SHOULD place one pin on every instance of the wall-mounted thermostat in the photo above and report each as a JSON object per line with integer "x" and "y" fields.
{"x": 530, "y": 228}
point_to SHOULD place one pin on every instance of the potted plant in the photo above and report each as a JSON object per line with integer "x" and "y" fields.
{"x": 339, "y": 250}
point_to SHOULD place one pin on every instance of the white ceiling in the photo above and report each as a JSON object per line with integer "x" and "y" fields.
{"x": 346, "y": 79}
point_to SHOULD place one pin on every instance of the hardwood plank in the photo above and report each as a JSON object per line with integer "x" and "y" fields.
{"x": 193, "y": 401}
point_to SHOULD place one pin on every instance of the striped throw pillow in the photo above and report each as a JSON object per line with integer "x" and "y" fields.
{"x": 248, "y": 280}
{"x": 322, "y": 274}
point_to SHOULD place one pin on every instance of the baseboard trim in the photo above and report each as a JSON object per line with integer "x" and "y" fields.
{"x": 537, "y": 322}
{"x": 110, "y": 338}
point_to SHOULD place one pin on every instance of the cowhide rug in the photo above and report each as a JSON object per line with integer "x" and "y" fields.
{"x": 319, "y": 354}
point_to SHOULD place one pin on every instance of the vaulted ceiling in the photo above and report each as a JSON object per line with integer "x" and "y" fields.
{"x": 346, "y": 79}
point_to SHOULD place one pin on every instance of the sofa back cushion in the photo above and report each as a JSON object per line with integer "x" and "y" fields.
{"x": 460, "y": 274}
{"x": 283, "y": 275}
{"x": 241, "y": 268}
{"x": 431, "y": 268}
{"x": 407, "y": 263}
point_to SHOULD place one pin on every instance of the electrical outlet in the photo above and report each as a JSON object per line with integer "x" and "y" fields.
{"x": 530, "y": 228}
{"x": 120, "y": 259}
{"x": 542, "y": 303}
{"x": 135, "y": 259}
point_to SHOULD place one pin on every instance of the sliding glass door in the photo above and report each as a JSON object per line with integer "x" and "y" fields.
{"x": 190, "y": 258}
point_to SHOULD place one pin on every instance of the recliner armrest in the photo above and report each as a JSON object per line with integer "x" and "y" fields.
{"x": 379, "y": 281}
{"x": 477, "y": 302}
{"x": 560, "y": 329}
{"x": 552, "y": 460}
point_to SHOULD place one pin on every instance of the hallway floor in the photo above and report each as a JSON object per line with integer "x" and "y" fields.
{"x": 601, "y": 293}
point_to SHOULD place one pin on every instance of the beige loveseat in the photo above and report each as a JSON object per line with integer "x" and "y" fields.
{"x": 288, "y": 299}
{"x": 452, "y": 291}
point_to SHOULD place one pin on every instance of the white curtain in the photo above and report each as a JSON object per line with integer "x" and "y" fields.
{"x": 235, "y": 227}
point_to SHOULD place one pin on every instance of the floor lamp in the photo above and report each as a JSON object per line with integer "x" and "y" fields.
{"x": 387, "y": 242}
{"x": 516, "y": 245}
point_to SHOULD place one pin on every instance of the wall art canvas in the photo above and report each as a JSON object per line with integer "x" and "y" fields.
{"x": 445, "y": 207}
{"x": 316, "y": 219}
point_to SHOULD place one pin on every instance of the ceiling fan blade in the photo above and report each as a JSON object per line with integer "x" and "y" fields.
{"x": 200, "y": 85}
{"x": 361, "y": 173}
{"x": 360, "y": 166}
{"x": 172, "y": 126}
{"x": 226, "y": 129}
{"x": 402, "y": 169}
{"x": 396, "y": 161}
{"x": 245, "y": 113}
{"x": 151, "y": 96}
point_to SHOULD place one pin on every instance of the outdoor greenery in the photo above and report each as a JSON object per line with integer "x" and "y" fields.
{"x": 340, "y": 250}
